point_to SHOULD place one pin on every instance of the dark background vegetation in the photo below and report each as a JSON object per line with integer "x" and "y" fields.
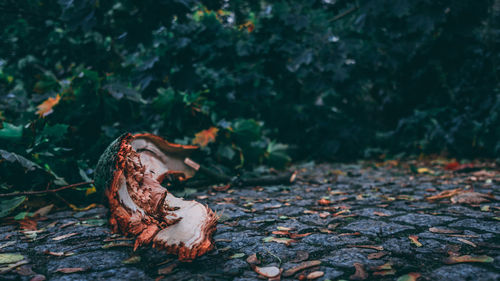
{"x": 325, "y": 80}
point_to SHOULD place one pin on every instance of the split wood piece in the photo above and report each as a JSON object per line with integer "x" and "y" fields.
{"x": 130, "y": 171}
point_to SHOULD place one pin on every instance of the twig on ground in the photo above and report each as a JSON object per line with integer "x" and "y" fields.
{"x": 46, "y": 191}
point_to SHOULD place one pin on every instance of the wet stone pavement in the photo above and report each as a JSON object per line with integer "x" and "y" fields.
{"x": 355, "y": 221}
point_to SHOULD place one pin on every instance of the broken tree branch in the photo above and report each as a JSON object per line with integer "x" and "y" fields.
{"x": 343, "y": 14}
{"x": 46, "y": 191}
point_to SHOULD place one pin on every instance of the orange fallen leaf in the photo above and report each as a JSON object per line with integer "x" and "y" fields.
{"x": 380, "y": 214}
{"x": 324, "y": 202}
{"x": 46, "y": 107}
{"x": 467, "y": 258}
{"x": 445, "y": 194}
{"x": 70, "y": 269}
{"x": 205, "y": 137}
{"x": 360, "y": 273}
{"x": 414, "y": 240}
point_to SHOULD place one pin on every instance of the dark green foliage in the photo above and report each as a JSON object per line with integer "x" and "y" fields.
{"x": 331, "y": 79}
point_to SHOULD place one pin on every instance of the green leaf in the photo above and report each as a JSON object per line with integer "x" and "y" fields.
{"x": 277, "y": 154}
{"x": 15, "y": 158}
{"x": 11, "y": 132}
{"x": 10, "y": 258}
{"x": 247, "y": 130}
{"x": 8, "y": 205}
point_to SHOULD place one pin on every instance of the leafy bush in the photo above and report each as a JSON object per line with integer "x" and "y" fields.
{"x": 331, "y": 79}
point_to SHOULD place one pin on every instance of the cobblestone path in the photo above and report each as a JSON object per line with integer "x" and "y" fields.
{"x": 340, "y": 221}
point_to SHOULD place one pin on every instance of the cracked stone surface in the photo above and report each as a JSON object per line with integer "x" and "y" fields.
{"x": 374, "y": 209}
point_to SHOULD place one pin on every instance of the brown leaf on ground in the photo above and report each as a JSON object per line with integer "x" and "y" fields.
{"x": 467, "y": 242}
{"x": 380, "y": 214}
{"x": 167, "y": 269}
{"x": 360, "y": 273}
{"x": 374, "y": 256}
{"x": 70, "y": 269}
{"x": 378, "y": 248}
{"x": 64, "y": 236}
{"x": 445, "y": 194}
{"x": 471, "y": 197}
{"x": 28, "y": 224}
{"x": 42, "y": 212}
{"x": 300, "y": 267}
{"x": 268, "y": 271}
{"x": 324, "y": 202}
{"x": 314, "y": 275}
{"x": 252, "y": 259}
{"x": 443, "y": 230}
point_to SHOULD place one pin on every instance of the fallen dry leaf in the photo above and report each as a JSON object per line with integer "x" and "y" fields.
{"x": 324, "y": 202}
{"x": 286, "y": 241}
{"x": 443, "y": 230}
{"x": 59, "y": 254}
{"x": 70, "y": 269}
{"x": 444, "y": 194}
{"x": 467, "y": 258}
{"x": 300, "y": 267}
{"x": 467, "y": 242}
{"x": 46, "y": 107}
{"x": 42, "y": 212}
{"x": 380, "y": 214}
{"x": 167, "y": 269}
{"x": 205, "y": 137}
{"x": 414, "y": 240}
{"x": 64, "y": 236}
{"x": 28, "y": 224}
{"x": 412, "y": 276}
{"x": 314, "y": 275}
{"x": 252, "y": 259}
{"x": 360, "y": 273}
{"x": 470, "y": 197}
{"x": 378, "y": 248}
{"x": 268, "y": 272}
